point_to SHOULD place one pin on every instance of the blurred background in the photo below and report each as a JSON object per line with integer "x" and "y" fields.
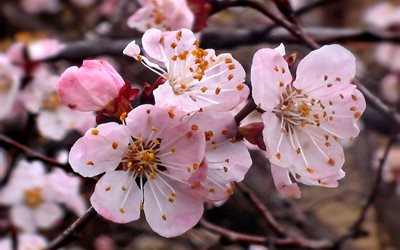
{"x": 53, "y": 36}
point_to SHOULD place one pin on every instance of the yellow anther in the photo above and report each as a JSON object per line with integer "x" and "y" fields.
{"x": 240, "y": 86}
{"x": 123, "y": 188}
{"x": 108, "y": 188}
{"x": 114, "y": 145}
{"x": 89, "y": 163}
{"x": 171, "y": 200}
{"x": 164, "y": 217}
{"x": 217, "y": 90}
{"x": 195, "y": 127}
{"x": 331, "y": 161}
{"x": 152, "y": 175}
{"x": 95, "y": 131}
{"x": 122, "y": 210}
{"x": 122, "y": 117}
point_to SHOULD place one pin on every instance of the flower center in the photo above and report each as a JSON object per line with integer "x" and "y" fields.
{"x": 294, "y": 108}
{"x": 141, "y": 157}
{"x": 33, "y": 197}
{"x": 52, "y": 102}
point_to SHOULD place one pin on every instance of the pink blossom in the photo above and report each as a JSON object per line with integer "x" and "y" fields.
{"x": 226, "y": 160}
{"x": 388, "y": 54}
{"x": 390, "y": 88}
{"x": 195, "y": 78}
{"x": 43, "y": 49}
{"x": 91, "y": 87}
{"x": 305, "y": 118}
{"x": 32, "y": 203}
{"x": 158, "y": 154}
{"x": 162, "y": 14}
{"x": 38, "y": 6}
{"x": 383, "y": 15}
{"x": 54, "y": 120}
{"x": 391, "y": 169}
{"x": 25, "y": 241}
{"x": 66, "y": 190}
{"x": 10, "y": 81}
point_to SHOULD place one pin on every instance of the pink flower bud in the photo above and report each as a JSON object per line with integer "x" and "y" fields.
{"x": 91, "y": 87}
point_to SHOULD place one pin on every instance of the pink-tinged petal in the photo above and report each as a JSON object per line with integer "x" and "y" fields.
{"x": 6, "y": 244}
{"x": 318, "y": 157}
{"x": 167, "y": 217}
{"x": 43, "y": 49}
{"x": 269, "y": 77}
{"x": 390, "y": 88}
{"x": 148, "y": 121}
{"x": 36, "y": 7}
{"x": 161, "y": 46}
{"x": 117, "y": 197}
{"x": 10, "y": 81}
{"x": 50, "y": 125}
{"x": 47, "y": 214}
{"x": 163, "y": 15}
{"x": 65, "y": 189}
{"x": 277, "y": 142}
{"x": 324, "y": 68}
{"x": 283, "y": 183}
{"x": 182, "y": 150}
{"x": 40, "y": 92}
{"x": 132, "y": 50}
{"x": 382, "y": 15}
{"x": 23, "y": 218}
{"x": 31, "y": 242}
{"x": 231, "y": 159}
{"x": 90, "y": 87}
{"x": 388, "y": 54}
{"x": 100, "y": 149}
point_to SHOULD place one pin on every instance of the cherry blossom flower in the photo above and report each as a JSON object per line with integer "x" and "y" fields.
{"x": 382, "y": 15}
{"x": 25, "y": 241}
{"x": 304, "y": 118}
{"x": 38, "y": 6}
{"x": 44, "y": 48}
{"x": 162, "y": 14}
{"x": 227, "y": 159}
{"x": 31, "y": 201}
{"x": 388, "y": 54}
{"x": 54, "y": 120}
{"x": 390, "y": 88}
{"x": 96, "y": 86}
{"x": 69, "y": 192}
{"x": 91, "y": 87}
{"x": 157, "y": 154}
{"x": 391, "y": 169}
{"x": 10, "y": 81}
{"x": 195, "y": 78}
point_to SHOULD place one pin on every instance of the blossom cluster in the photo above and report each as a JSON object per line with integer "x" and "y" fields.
{"x": 185, "y": 148}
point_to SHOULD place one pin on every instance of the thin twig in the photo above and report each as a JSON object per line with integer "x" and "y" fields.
{"x": 263, "y": 210}
{"x": 235, "y": 237}
{"x": 355, "y": 230}
{"x": 73, "y": 231}
{"x": 30, "y": 152}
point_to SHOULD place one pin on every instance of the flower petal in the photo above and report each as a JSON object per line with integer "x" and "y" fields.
{"x": 321, "y": 68}
{"x": 269, "y": 77}
{"x": 117, "y": 197}
{"x": 110, "y": 139}
{"x": 47, "y": 214}
{"x": 167, "y": 218}
{"x": 22, "y": 217}
{"x": 283, "y": 183}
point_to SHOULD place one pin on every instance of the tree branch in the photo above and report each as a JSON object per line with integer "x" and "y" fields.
{"x": 30, "y": 152}
{"x": 73, "y": 231}
{"x": 235, "y": 237}
{"x": 355, "y": 230}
